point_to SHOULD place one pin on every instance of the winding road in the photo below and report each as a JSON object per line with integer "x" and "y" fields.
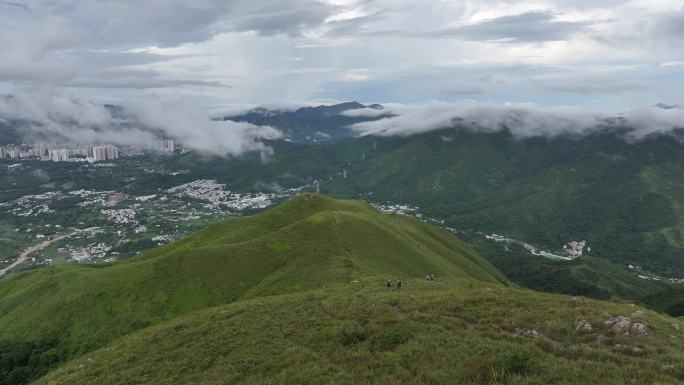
{"x": 24, "y": 254}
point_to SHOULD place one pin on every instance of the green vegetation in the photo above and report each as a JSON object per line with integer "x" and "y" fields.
{"x": 669, "y": 300}
{"x": 307, "y": 243}
{"x": 296, "y": 295}
{"x": 586, "y": 276}
{"x": 448, "y": 331}
{"x": 625, "y": 198}
{"x": 21, "y": 361}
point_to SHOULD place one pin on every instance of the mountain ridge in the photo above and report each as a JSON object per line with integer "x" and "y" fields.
{"x": 306, "y": 243}
{"x": 439, "y": 332}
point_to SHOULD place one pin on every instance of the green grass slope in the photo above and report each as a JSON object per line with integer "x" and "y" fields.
{"x": 449, "y": 331}
{"x": 306, "y": 243}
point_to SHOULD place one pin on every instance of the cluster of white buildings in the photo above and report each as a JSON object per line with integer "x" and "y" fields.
{"x": 92, "y": 153}
{"x": 571, "y": 250}
{"x": 203, "y": 189}
{"x": 120, "y": 216}
{"x": 214, "y": 193}
{"x": 94, "y": 250}
{"x": 33, "y": 205}
{"x": 646, "y": 275}
{"x": 91, "y": 198}
{"x": 399, "y": 209}
{"x": 576, "y": 248}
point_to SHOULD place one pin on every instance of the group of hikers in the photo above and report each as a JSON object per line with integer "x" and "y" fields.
{"x": 388, "y": 282}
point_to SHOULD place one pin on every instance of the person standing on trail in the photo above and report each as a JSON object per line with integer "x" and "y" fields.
{"x": 389, "y": 282}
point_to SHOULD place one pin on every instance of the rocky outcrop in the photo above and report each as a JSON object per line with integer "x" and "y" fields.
{"x": 638, "y": 329}
{"x": 622, "y": 325}
{"x": 582, "y": 324}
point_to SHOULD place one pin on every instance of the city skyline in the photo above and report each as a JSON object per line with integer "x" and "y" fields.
{"x": 78, "y": 152}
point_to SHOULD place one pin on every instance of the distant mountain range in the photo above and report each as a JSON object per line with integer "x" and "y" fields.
{"x": 305, "y": 125}
{"x": 310, "y": 124}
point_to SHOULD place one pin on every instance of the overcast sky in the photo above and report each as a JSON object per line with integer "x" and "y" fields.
{"x": 593, "y": 53}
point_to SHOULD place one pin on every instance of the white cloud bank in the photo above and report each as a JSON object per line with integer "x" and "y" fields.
{"x": 523, "y": 120}
{"x": 81, "y": 121}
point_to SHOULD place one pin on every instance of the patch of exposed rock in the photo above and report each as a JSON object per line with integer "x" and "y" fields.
{"x": 582, "y": 324}
{"x": 622, "y": 325}
{"x": 526, "y": 333}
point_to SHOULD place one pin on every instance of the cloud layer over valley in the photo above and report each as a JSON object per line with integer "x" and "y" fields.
{"x": 61, "y": 118}
{"x": 522, "y": 120}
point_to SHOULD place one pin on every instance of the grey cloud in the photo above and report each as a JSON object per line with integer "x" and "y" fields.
{"x": 104, "y": 59}
{"x": 165, "y": 23}
{"x": 670, "y": 27}
{"x": 136, "y": 83}
{"x": 56, "y": 41}
{"x": 351, "y": 26}
{"x": 107, "y": 78}
{"x": 588, "y": 4}
{"x": 463, "y": 89}
{"x": 538, "y": 26}
{"x": 360, "y": 25}
{"x": 480, "y": 85}
{"x": 136, "y": 79}
{"x": 650, "y": 29}
{"x": 288, "y": 18}
{"x": 594, "y": 87}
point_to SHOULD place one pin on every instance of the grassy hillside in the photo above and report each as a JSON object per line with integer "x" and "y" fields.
{"x": 306, "y": 243}
{"x": 449, "y": 331}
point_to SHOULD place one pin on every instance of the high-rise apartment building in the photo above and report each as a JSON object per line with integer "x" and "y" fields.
{"x": 99, "y": 153}
{"x": 112, "y": 152}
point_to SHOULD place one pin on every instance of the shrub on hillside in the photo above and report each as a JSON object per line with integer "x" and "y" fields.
{"x": 388, "y": 341}
{"x": 352, "y": 334}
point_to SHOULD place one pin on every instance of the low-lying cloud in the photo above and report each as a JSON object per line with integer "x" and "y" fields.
{"x": 522, "y": 120}
{"x": 63, "y": 118}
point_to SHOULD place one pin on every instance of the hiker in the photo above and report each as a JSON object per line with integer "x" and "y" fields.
{"x": 398, "y": 283}
{"x": 389, "y": 282}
